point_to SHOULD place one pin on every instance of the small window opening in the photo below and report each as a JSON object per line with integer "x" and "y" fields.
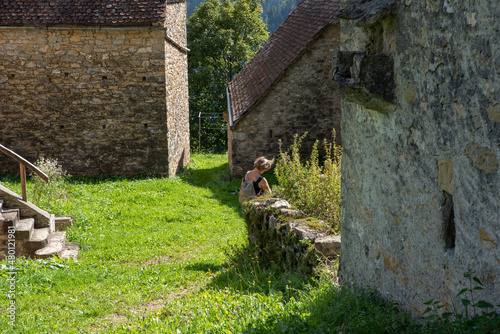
{"x": 449, "y": 231}
{"x": 61, "y": 126}
{"x": 104, "y": 126}
{"x": 66, "y": 74}
{"x": 104, "y": 78}
{"x": 143, "y": 78}
{"x": 270, "y": 133}
{"x": 146, "y": 125}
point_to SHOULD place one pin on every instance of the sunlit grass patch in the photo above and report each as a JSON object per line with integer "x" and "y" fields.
{"x": 170, "y": 255}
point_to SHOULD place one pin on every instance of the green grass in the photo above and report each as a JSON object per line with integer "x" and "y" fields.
{"x": 165, "y": 255}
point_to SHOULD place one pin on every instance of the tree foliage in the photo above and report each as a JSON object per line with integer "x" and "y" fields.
{"x": 222, "y": 36}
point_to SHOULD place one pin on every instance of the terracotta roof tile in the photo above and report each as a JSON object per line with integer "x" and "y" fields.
{"x": 299, "y": 30}
{"x": 81, "y": 12}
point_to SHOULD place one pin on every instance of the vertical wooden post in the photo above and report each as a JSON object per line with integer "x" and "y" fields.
{"x": 23, "y": 181}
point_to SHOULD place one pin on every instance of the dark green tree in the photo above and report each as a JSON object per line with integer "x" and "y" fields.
{"x": 222, "y": 37}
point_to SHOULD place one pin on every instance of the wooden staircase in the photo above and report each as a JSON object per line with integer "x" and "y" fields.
{"x": 37, "y": 234}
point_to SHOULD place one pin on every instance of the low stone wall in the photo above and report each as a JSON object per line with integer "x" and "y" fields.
{"x": 289, "y": 237}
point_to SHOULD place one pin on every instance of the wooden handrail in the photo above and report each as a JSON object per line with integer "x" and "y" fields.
{"x": 23, "y": 163}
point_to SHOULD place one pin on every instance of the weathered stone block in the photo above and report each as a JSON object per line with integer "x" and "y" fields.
{"x": 365, "y": 79}
{"x": 328, "y": 246}
{"x": 445, "y": 176}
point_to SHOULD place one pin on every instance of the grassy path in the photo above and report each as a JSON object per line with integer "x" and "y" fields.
{"x": 168, "y": 256}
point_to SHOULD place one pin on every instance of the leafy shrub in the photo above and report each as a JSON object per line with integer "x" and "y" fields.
{"x": 45, "y": 193}
{"x": 311, "y": 186}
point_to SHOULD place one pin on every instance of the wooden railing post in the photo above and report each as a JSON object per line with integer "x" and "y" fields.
{"x": 23, "y": 181}
{"x": 23, "y": 163}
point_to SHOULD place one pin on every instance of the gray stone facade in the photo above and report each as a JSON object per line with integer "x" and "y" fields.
{"x": 301, "y": 101}
{"x": 420, "y": 165}
{"x": 100, "y": 99}
{"x": 285, "y": 89}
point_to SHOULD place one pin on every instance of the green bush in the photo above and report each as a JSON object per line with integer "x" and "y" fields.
{"x": 311, "y": 186}
{"x": 44, "y": 194}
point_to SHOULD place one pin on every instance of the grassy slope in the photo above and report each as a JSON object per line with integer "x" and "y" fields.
{"x": 168, "y": 256}
{"x": 141, "y": 241}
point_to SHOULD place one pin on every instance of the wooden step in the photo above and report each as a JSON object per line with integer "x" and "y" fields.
{"x": 57, "y": 241}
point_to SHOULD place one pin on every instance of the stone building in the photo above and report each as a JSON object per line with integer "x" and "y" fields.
{"x": 99, "y": 85}
{"x": 284, "y": 89}
{"x": 421, "y": 148}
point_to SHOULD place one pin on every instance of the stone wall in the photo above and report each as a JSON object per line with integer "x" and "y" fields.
{"x": 420, "y": 164}
{"x": 300, "y": 101}
{"x": 288, "y": 237}
{"x": 101, "y": 101}
{"x": 177, "y": 87}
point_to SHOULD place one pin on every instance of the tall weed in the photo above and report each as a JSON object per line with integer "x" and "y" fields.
{"x": 44, "y": 194}
{"x": 311, "y": 186}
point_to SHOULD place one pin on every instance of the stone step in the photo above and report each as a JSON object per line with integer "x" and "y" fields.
{"x": 7, "y": 219}
{"x": 61, "y": 223}
{"x": 24, "y": 229}
{"x": 11, "y": 216}
{"x": 57, "y": 241}
{"x": 39, "y": 239}
{"x": 70, "y": 251}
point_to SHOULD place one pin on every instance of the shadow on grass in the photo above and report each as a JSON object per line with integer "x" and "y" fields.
{"x": 244, "y": 272}
{"x": 333, "y": 309}
{"x": 218, "y": 181}
{"x": 203, "y": 266}
{"x": 311, "y": 304}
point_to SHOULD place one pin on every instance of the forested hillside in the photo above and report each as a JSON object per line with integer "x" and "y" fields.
{"x": 273, "y": 14}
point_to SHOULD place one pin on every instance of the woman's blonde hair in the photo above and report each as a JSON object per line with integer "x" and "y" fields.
{"x": 261, "y": 163}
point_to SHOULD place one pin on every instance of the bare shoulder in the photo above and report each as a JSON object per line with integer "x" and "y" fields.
{"x": 263, "y": 184}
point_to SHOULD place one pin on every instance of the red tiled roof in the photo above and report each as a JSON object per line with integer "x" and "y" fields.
{"x": 299, "y": 30}
{"x": 81, "y": 12}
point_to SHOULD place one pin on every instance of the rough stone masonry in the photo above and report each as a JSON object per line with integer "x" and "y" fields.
{"x": 103, "y": 89}
{"x": 421, "y": 148}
